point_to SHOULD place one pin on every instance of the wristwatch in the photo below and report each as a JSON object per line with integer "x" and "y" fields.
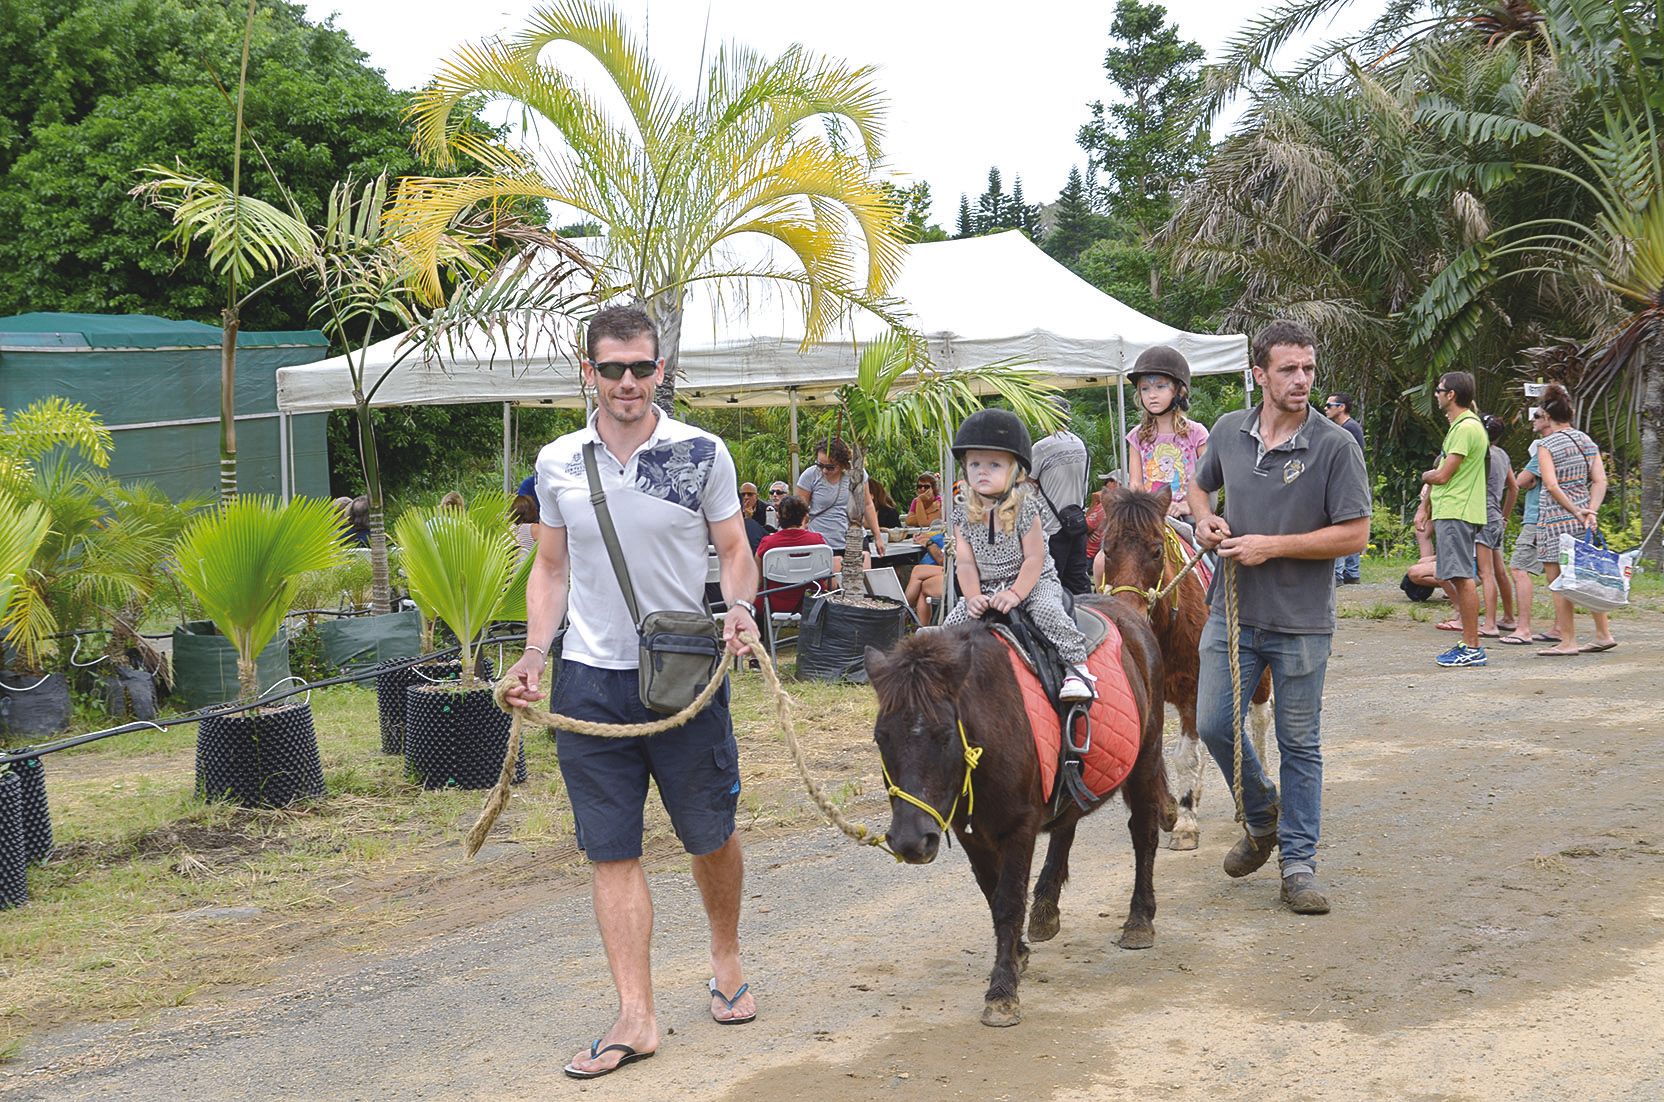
{"x": 747, "y": 605}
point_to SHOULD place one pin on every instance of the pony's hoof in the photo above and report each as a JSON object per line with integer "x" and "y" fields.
{"x": 1182, "y": 839}
{"x": 1137, "y": 937}
{"x": 1044, "y": 922}
{"x": 1000, "y": 1013}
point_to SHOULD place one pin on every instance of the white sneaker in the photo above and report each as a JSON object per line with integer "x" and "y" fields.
{"x": 1077, "y": 685}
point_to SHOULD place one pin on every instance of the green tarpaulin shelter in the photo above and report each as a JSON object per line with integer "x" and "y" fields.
{"x": 156, "y": 384}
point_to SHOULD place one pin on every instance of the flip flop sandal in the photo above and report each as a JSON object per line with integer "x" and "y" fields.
{"x": 1539, "y": 637}
{"x": 595, "y": 1050}
{"x": 716, "y": 993}
{"x": 1449, "y": 625}
{"x": 1506, "y": 627}
{"x": 1596, "y": 648}
{"x": 1516, "y": 641}
{"x": 1558, "y": 653}
{"x": 1490, "y": 634}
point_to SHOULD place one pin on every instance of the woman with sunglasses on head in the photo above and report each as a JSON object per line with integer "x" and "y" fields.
{"x": 824, "y": 488}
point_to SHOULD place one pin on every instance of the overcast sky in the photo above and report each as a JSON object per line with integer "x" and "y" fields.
{"x": 963, "y": 96}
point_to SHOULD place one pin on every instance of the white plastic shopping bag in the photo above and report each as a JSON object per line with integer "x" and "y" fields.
{"x": 1591, "y": 575}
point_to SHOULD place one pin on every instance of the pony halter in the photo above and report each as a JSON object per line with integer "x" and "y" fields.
{"x": 973, "y": 755}
{"x": 1175, "y": 556}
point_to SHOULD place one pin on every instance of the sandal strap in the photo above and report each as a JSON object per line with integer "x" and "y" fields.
{"x": 717, "y": 992}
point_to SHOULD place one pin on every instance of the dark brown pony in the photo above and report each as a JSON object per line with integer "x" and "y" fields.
{"x": 936, "y": 681}
{"x": 1136, "y": 553}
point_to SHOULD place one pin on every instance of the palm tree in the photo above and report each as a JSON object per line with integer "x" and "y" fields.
{"x": 359, "y": 266}
{"x": 243, "y": 562}
{"x": 679, "y": 180}
{"x": 1615, "y": 234}
{"x": 898, "y": 395}
{"x": 38, "y": 429}
{"x": 22, "y": 529}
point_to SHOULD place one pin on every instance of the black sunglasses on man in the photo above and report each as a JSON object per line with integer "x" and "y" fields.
{"x": 612, "y": 371}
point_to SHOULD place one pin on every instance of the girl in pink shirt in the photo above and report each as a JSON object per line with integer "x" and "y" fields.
{"x": 1166, "y": 446}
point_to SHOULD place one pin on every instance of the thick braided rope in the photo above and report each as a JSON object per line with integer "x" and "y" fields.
{"x": 1233, "y": 644}
{"x": 498, "y": 798}
{"x": 1153, "y": 595}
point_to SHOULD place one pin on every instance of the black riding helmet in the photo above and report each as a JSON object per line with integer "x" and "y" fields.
{"x": 1159, "y": 359}
{"x": 994, "y": 430}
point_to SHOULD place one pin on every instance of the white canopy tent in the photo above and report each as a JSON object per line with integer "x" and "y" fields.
{"x": 975, "y": 301}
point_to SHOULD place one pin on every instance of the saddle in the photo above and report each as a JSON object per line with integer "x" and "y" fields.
{"x": 1103, "y": 735}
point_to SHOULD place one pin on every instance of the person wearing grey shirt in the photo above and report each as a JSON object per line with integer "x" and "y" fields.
{"x": 1297, "y": 498}
{"x": 1060, "y": 467}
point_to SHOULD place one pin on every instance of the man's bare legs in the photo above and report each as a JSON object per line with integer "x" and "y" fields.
{"x": 1467, "y": 608}
{"x": 624, "y": 912}
{"x": 721, "y": 877}
{"x": 1524, "y": 593}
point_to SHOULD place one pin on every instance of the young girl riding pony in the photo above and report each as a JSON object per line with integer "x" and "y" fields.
{"x": 1002, "y": 559}
{"x": 1166, "y": 446}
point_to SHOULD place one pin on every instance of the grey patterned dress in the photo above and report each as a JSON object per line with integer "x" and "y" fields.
{"x": 998, "y": 562}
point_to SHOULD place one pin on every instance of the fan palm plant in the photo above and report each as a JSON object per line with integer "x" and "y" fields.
{"x": 464, "y": 570}
{"x": 898, "y": 395}
{"x": 30, "y": 434}
{"x": 243, "y": 562}
{"x": 677, "y": 181}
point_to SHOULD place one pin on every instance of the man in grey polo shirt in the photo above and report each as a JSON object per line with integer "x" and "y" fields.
{"x": 1296, "y": 499}
{"x": 1060, "y": 467}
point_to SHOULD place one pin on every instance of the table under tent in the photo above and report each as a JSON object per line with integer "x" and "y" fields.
{"x": 975, "y": 301}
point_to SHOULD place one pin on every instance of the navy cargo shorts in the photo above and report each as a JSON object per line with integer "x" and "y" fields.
{"x": 696, "y": 766}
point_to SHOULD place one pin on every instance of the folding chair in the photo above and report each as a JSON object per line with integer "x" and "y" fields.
{"x": 786, "y": 568}
{"x": 883, "y": 581}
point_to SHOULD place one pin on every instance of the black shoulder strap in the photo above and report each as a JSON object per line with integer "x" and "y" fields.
{"x": 609, "y": 534}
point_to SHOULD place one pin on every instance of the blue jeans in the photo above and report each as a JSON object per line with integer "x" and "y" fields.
{"x": 1297, "y": 664}
{"x": 1347, "y": 566}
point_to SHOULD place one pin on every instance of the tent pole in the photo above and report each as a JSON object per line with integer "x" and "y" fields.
{"x": 508, "y": 447}
{"x": 1121, "y": 421}
{"x": 284, "y": 475}
{"x": 796, "y": 453}
{"x": 1248, "y": 388}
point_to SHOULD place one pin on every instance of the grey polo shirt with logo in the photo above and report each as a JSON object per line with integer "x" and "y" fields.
{"x": 1312, "y": 480}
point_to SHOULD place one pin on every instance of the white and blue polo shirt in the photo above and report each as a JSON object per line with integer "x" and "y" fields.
{"x": 663, "y": 499}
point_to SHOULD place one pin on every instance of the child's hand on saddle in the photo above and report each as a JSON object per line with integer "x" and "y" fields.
{"x": 976, "y": 605}
{"x": 1212, "y": 532}
{"x": 1004, "y": 601}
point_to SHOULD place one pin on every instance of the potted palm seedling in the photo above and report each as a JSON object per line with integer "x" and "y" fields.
{"x": 465, "y": 569}
{"x": 243, "y": 563}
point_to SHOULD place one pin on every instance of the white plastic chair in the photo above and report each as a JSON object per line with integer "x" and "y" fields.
{"x": 783, "y": 568}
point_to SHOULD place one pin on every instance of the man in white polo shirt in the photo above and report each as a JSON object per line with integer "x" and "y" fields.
{"x": 670, "y": 490}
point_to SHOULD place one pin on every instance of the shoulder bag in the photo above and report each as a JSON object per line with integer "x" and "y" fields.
{"x": 680, "y": 651}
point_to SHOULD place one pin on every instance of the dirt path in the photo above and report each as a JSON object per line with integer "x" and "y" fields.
{"x": 1494, "y": 840}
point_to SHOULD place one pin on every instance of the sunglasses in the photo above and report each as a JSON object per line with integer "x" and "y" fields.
{"x": 613, "y": 372}
{"x": 748, "y": 493}
{"x": 777, "y": 493}
{"x": 1333, "y": 405}
{"x": 1441, "y": 390}
{"x": 827, "y": 466}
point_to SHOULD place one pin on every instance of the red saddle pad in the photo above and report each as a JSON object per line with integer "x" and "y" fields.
{"x": 1115, "y": 721}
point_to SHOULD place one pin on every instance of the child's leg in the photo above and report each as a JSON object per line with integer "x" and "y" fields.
{"x": 1044, "y": 606}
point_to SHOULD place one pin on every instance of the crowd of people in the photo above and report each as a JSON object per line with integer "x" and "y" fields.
{"x": 1461, "y": 521}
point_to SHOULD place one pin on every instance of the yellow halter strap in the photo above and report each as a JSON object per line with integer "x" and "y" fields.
{"x": 1174, "y": 555}
{"x": 973, "y": 754}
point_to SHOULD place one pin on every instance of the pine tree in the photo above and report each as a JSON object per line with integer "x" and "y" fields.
{"x": 1076, "y": 225}
{"x": 967, "y": 225}
{"x": 1020, "y": 215}
{"x": 991, "y": 205}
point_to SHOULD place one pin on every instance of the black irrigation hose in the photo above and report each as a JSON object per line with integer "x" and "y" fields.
{"x": 338, "y": 613}
{"x": 232, "y": 708}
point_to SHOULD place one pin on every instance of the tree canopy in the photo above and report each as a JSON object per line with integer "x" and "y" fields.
{"x": 120, "y": 83}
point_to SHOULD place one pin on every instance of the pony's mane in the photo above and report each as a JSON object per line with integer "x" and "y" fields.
{"x": 922, "y": 670}
{"x": 1132, "y": 510}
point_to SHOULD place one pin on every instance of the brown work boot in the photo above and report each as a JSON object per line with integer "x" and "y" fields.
{"x": 1249, "y": 853}
{"x": 1304, "y": 894}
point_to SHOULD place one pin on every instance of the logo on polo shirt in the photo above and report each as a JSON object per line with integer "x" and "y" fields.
{"x": 1292, "y": 470}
